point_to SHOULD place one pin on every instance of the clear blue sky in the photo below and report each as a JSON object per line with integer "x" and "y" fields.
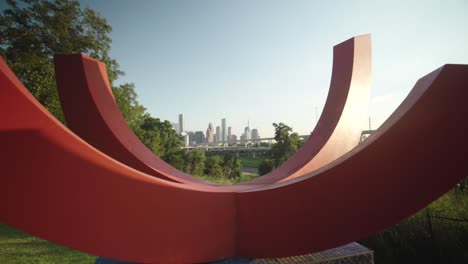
{"x": 270, "y": 61}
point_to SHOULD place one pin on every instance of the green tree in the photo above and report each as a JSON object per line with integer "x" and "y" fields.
{"x": 162, "y": 140}
{"x": 149, "y": 135}
{"x": 42, "y": 85}
{"x": 286, "y": 144}
{"x": 31, "y": 32}
{"x": 213, "y": 166}
{"x": 265, "y": 166}
{"x": 133, "y": 112}
{"x": 195, "y": 162}
{"x": 231, "y": 166}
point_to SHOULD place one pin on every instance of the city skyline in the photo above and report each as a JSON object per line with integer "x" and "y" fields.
{"x": 224, "y": 134}
{"x": 232, "y": 129}
{"x": 274, "y": 64}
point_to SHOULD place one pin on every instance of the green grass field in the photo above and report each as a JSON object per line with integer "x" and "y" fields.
{"x": 17, "y": 247}
{"x": 249, "y": 161}
{"x": 221, "y": 180}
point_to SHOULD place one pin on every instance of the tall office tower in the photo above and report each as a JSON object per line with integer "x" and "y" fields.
{"x": 209, "y": 134}
{"x": 247, "y": 133}
{"x": 181, "y": 123}
{"x": 255, "y": 135}
{"x": 218, "y": 134}
{"x": 224, "y": 131}
{"x": 229, "y": 136}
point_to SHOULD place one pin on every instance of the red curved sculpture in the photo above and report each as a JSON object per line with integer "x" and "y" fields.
{"x": 92, "y": 113}
{"x": 404, "y": 166}
{"x": 56, "y": 186}
{"x": 339, "y": 127}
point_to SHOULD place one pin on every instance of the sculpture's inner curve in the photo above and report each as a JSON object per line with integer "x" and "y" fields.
{"x": 93, "y": 114}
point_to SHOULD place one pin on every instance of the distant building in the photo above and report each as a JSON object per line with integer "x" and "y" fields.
{"x": 215, "y": 138}
{"x": 181, "y": 123}
{"x": 186, "y": 139}
{"x": 233, "y": 139}
{"x": 243, "y": 139}
{"x": 255, "y": 135}
{"x": 218, "y": 134}
{"x": 175, "y": 126}
{"x": 223, "y": 131}
{"x": 247, "y": 133}
{"x": 229, "y": 135}
{"x": 191, "y": 137}
{"x": 199, "y": 137}
{"x": 210, "y": 134}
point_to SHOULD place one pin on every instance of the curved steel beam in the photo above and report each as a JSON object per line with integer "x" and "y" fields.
{"x": 56, "y": 186}
{"x": 93, "y": 114}
{"x": 405, "y": 165}
{"x": 340, "y": 125}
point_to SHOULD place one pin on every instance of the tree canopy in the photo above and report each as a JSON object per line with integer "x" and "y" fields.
{"x": 195, "y": 162}
{"x": 287, "y": 143}
{"x": 31, "y": 32}
{"x": 232, "y": 165}
{"x": 265, "y": 166}
{"x": 213, "y": 166}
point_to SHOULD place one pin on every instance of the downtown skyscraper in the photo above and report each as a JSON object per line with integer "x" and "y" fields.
{"x": 255, "y": 135}
{"x": 181, "y": 123}
{"x": 218, "y": 137}
{"x": 210, "y": 133}
{"x": 223, "y": 131}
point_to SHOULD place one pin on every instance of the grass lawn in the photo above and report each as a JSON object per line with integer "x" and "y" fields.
{"x": 247, "y": 177}
{"x": 17, "y": 247}
{"x": 221, "y": 180}
{"x": 249, "y": 161}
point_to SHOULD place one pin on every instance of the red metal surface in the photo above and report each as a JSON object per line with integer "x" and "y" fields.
{"x": 56, "y": 186}
{"x": 340, "y": 125}
{"x": 406, "y": 164}
{"x": 93, "y": 114}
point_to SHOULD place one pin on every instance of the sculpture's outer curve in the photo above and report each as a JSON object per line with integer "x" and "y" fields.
{"x": 404, "y": 166}
{"x": 92, "y": 113}
{"x": 56, "y": 186}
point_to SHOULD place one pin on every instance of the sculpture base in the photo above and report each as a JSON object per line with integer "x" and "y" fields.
{"x": 350, "y": 253}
